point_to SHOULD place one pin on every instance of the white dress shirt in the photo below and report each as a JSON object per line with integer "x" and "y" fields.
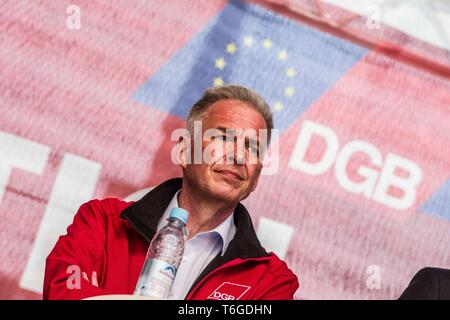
{"x": 198, "y": 251}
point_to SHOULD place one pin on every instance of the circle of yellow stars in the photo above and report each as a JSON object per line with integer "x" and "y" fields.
{"x": 248, "y": 41}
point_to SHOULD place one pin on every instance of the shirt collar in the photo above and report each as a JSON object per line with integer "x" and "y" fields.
{"x": 226, "y": 229}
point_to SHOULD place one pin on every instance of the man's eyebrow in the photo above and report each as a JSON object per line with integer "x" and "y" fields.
{"x": 223, "y": 129}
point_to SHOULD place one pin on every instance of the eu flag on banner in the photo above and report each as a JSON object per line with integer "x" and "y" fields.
{"x": 439, "y": 203}
{"x": 289, "y": 64}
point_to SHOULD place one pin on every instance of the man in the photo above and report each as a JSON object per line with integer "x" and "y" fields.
{"x": 429, "y": 284}
{"x": 223, "y": 259}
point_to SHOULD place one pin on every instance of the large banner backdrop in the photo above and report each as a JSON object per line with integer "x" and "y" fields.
{"x": 357, "y": 201}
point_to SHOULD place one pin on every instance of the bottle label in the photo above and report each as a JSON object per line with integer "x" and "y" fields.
{"x": 156, "y": 279}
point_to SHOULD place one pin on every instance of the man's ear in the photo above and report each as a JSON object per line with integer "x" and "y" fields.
{"x": 181, "y": 153}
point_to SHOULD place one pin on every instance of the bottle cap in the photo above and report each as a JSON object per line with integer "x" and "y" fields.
{"x": 179, "y": 213}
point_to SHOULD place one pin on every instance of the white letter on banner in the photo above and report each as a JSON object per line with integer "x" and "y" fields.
{"x": 74, "y": 185}
{"x": 407, "y": 184}
{"x": 20, "y": 153}
{"x": 366, "y": 187}
{"x": 303, "y": 142}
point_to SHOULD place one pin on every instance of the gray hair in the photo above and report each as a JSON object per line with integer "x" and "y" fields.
{"x": 230, "y": 92}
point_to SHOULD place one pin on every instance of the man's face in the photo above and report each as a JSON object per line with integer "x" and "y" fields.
{"x": 232, "y": 174}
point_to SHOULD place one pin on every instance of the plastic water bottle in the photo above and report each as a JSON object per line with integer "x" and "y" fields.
{"x": 163, "y": 258}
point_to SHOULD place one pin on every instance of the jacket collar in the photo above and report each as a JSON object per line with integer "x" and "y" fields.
{"x": 145, "y": 214}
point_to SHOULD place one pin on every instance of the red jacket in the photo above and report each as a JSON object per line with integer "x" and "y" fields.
{"x": 111, "y": 237}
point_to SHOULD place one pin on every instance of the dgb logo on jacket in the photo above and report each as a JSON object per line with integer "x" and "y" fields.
{"x": 229, "y": 291}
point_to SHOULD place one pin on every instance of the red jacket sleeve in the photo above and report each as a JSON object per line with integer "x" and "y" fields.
{"x": 76, "y": 252}
{"x": 282, "y": 284}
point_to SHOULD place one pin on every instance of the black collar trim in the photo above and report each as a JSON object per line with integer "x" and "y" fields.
{"x": 144, "y": 215}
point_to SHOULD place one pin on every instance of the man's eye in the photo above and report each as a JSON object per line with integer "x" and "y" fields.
{"x": 253, "y": 149}
{"x": 220, "y": 137}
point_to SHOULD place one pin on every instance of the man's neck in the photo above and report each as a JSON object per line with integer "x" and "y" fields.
{"x": 204, "y": 214}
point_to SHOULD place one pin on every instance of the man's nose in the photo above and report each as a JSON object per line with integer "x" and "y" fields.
{"x": 237, "y": 156}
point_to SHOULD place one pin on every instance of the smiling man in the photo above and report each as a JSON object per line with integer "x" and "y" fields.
{"x": 105, "y": 247}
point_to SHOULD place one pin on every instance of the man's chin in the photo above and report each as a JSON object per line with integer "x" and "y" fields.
{"x": 226, "y": 193}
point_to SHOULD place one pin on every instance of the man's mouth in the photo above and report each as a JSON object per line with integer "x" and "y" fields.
{"x": 230, "y": 173}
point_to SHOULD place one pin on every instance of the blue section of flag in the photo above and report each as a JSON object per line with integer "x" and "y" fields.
{"x": 289, "y": 64}
{"x": 439, "y": 203}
